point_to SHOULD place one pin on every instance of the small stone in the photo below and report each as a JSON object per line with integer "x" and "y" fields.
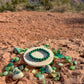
{"x": 16, "y": 59}
{"x": 58, "y": 51}
{"x": 53, "y": 71}
{"x": 7, "y": 68}
{"x": 16, "y": 50}
{"x": 33, "y": 71}
{"x": 53, "y": 75}
{"x": 12, "y": 68}
{"x": 48, "y": 69}
{"x": 41, "y": 77}
{"x": 10, "y": 64}
{"x": 43, "y": 70}
{"x": 69, "y": 57}
{"x": 10, "y": 72}
{"x": 68, "y": 60}
{"x": 56, "y": 57}
{"x": 5, "y": 73}
{"x": 60, "y": 64}
{"x": 56, "y": 78}
{"x": 37, "y": 74}
{"x": 26, "y": 69}
{"x": 17, "y": 74}
{"x": 72, "y": 67}
{"x": 65, "y": 57}
{"x": 12, "y": 60}
{"x": 54, "y": 68}
{"x": 75, "y": 62}
{"x": 15, "y": 69}
{"x": 59, "y": 55}
{"x": 21, "y": 67}
{"x": 1, "y": 74}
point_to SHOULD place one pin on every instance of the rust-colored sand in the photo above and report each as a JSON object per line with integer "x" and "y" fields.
{"x": 27, "y": 29}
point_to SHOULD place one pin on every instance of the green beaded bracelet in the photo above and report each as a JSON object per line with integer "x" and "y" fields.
{"x": 39, "y": 59}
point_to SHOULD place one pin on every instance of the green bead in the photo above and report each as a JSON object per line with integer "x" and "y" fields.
{"x": 1, "y": 74}
{"x": 54, "y": 68}
{"x": 26, "y": 69}
{"x": 60, "y": 64}
{"x": 37, "y": 74}
{"x": 72, "y": 67}
{"x": 75, "y": 62}
{"x": 10, "y": 64}
{"x": 5, "y": 73}
{"x": 16, "y": 59}
{"x": 7, "y": 68}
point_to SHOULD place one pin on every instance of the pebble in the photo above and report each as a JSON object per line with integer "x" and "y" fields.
{"x": 5, "y": 73}
{"x": 56, "y": 78}
{"x": 60, "y": 64}
{"x": 12, "y": 68}
{"x": 16, "y": 50}
{"x": 58, "y": 51}
{"x": 56, "y": 57}
{"x": 65, "y": 57}
{"x": 17, "y": 74}
{"x": 26, "y": 69}
{"x": 16, "y": 59}
{"x": 48, "y": 69}
{"x": 43, "y": 70}
{"x": 72, "y": 67}
{"x": 7, "y": 68}
{"x": 37, "y": 74}
{"x": 10, "y": 72}
{"x": 54, "y": 68}
{"x": 75, "y": 62}
{"x": 12, "y": 60}
{"x": 10, "y": 64}
{"x": 68, "y": 60}
{"x": 21, "y": 67}
{"x": 33, "y": 71}
{"x": 59, "y": 55}
{"x": 41, "y": 77}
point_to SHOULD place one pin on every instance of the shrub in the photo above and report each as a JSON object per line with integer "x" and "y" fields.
{"x": 80, "y": 7}
{"x": 46, "y": 3}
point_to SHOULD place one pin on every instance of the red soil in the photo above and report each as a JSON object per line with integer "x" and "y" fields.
{"x": 27, "y": 29}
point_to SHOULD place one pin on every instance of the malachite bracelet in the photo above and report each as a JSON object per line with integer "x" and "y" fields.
{"x": 39, "y": 59}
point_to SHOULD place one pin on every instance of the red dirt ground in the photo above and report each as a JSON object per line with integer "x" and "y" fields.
{"x": 27, "y": 29}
